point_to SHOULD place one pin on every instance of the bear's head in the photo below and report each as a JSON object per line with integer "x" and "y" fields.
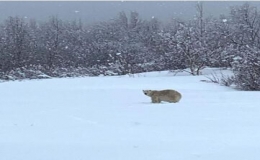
{"x": 147, "y": 92}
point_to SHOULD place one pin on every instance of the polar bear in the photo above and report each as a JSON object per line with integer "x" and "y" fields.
{"x": 168, "y": 95}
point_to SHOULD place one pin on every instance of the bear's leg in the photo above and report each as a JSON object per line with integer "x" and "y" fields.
{"x": 157, "y": 100}
{"x": 154, "y": 100}
{"x": 173, "y": 101}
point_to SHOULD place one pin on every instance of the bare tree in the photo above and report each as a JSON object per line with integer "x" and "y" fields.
{"x": 52, "y": 41}
{"x": 15, "y": 41}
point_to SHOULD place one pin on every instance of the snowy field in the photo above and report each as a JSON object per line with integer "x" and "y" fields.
{"x": 109, "y": 118}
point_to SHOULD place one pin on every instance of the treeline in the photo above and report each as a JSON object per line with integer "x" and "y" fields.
{"x": 127, "y": 44}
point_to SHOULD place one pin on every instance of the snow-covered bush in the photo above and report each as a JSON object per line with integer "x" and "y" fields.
{"x": 247, "y": 70}
{"x": 220, "y": 78}
{"x": 29, "y": 72}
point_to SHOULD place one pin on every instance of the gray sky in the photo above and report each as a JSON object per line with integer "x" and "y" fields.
{"x": 94, "y": 11}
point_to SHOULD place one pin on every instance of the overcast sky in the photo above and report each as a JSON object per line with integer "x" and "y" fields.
{"x": 93, "y": 11}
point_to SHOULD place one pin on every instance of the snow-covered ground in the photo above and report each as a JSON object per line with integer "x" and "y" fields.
{"x": 109, "y": 118}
